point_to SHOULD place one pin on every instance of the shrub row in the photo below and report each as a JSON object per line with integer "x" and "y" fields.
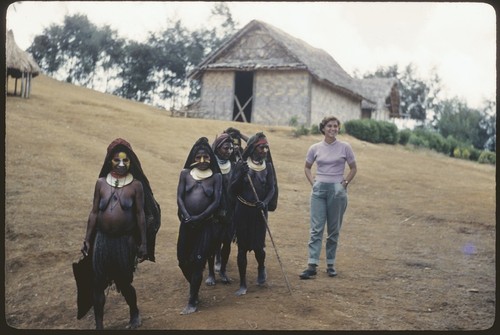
{"x": 373, "y": 131}
{"x": 386, "y": 132}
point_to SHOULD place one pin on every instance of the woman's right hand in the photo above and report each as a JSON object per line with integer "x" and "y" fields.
{"x": 85, "y": 249}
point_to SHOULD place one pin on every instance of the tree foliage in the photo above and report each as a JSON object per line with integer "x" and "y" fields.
{"x": 472, "y": 126}
{"x": 78, "y": 49}
{"x": 151, "y": 71}
{"x": 418, "y": 96}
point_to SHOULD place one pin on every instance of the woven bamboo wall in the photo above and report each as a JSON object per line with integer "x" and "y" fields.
{"x": 326, "y": 102}
{"x": 217, "y": 95}
{"x": 279, "y": 96}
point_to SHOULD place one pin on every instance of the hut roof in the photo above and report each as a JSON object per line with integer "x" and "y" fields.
{"x": 17, "y": 60}
{"x": 376, "y": 90}
{"x": 319, "y": 63}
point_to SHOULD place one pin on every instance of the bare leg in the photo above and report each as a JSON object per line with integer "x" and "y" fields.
{"x": 194, "y": 288}
{"x": 260, "y": 256}
{"x": 224, "y": 255}
{"x": 242, "y": 268}
{"x": 99, "y": 300}
{"x": 130, "y": 296}
{"x": 211, "y": 274}
{"x": 217, "y": 261}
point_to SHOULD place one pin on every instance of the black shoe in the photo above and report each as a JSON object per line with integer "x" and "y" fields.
{"x": 331, "y": 272}
{"x": 307, "y": 274}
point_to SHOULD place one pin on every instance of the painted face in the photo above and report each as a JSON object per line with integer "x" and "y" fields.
{"x": 236, "y": 144}
{"x": 225, "y": 150}
{"x": 202, "y": 159}
{"x": 120, "y": 163}
{"x": 260, "y": 152}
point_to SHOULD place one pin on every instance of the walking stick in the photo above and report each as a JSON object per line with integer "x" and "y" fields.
{"x": 269, "y": 231}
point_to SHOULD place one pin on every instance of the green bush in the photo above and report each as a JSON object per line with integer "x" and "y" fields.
{"x": 294, "y": 121}
{"x": 315, "y": 129}
{"x": 418, "y": 141}
{"x": 300, "y": 131}
{"x": 487, "y": 157}
{"x": 388, "y": 132}
{"x": 404, "y": 136}
{"x": 474, "y": 154}
{"x": 365, "y": 130}
{"x": 461, "y": 152}
{"x": 431, "y": 140}
{"x": 452, "y": 143}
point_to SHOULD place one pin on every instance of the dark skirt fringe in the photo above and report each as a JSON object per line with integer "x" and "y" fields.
{"x": 114, "y": 260}
{"x": 250, "y": 227}
{"x": 195, "y": 241}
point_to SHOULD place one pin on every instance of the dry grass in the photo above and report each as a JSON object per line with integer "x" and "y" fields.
{"x": 401, "y": 264}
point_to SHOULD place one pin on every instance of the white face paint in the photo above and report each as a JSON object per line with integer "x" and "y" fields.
{"x": 121, "y": 163}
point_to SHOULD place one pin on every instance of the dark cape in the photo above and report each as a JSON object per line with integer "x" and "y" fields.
{"x": 248, "y": 151}
{"x": 82, "y": 270}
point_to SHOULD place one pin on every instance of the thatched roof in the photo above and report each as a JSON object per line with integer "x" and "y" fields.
{"x": 17, "y": 60}
{"x": 319, "y": 63}
{"x": 375, "y": 89}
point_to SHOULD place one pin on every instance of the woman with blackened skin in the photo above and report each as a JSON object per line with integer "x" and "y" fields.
{"x": 198, "y": 198}
{"x": 121, "y": 227}
{"x": 252, "y": 205}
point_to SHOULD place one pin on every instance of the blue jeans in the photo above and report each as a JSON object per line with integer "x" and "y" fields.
{"x": 328, "y": 205}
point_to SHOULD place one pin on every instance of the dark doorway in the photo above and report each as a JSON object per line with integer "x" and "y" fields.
{"x": 243, "y": 95}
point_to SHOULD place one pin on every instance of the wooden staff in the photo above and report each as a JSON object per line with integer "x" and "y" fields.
{"x": 269, "y": 231}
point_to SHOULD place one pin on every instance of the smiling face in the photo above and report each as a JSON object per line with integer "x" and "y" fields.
{"x": 120, "y": 163}
{"x": 331, "y": 129}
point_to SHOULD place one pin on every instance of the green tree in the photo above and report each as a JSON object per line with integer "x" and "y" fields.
{"x": 137, "y": 72}
{"x": 418, "y": 97}
{"x": 456, "y": 119}
{"x": 77, "y": 50}
{"x": 489, "y": 124}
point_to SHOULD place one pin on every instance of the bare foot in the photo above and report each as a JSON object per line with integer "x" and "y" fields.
{"x": 261, "y": 278}
{"x": 241, "y": 291}
{"x": 135, "y": 322}
{"x": 189, "y": 309}
{"x": 210, "y": 281}
{"x": 224, "y": 278}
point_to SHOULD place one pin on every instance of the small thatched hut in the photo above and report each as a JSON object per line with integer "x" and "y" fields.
{"x": 266, "y": 76}
{"x": 20, "y": 64}
{"x": 385, "y": 94}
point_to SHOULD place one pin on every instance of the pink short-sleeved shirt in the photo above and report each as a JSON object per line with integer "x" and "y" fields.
{"x": 330, "y": 160}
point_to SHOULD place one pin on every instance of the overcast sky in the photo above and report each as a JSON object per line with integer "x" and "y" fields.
{"x": 456, "y": 38}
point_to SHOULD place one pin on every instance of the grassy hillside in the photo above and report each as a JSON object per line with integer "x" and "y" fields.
{"x": 416, "y": 206}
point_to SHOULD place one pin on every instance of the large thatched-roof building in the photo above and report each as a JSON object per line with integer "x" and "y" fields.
{"x": 20, "y": 65}
{"x": 263, "y": 75}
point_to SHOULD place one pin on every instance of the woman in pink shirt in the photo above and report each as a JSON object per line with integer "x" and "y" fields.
{"x": 329, "y": 193}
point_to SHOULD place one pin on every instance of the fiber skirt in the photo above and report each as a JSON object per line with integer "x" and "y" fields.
{"x": 250, "y": 227}
{"x": 195, "y": 241}
{"x": 114, "y": 260}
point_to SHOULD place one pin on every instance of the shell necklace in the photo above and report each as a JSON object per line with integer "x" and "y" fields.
{"x": 198, "y": 174}
{"x": 254, "y": 166}
{"x": 119, "y": 182}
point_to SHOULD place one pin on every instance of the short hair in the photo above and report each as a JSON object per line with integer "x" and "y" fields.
{"x": 325, "y": 120}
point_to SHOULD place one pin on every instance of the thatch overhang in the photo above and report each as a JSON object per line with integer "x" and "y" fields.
{"x": 18, "y": 62}
{"x": 317, "y": 62}
{"x": 383, "y": 93}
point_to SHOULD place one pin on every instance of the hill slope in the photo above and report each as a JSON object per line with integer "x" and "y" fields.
{"x": 417, "y": 249}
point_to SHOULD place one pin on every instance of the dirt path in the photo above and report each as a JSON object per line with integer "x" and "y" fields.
{"x": 417, "y": 249}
